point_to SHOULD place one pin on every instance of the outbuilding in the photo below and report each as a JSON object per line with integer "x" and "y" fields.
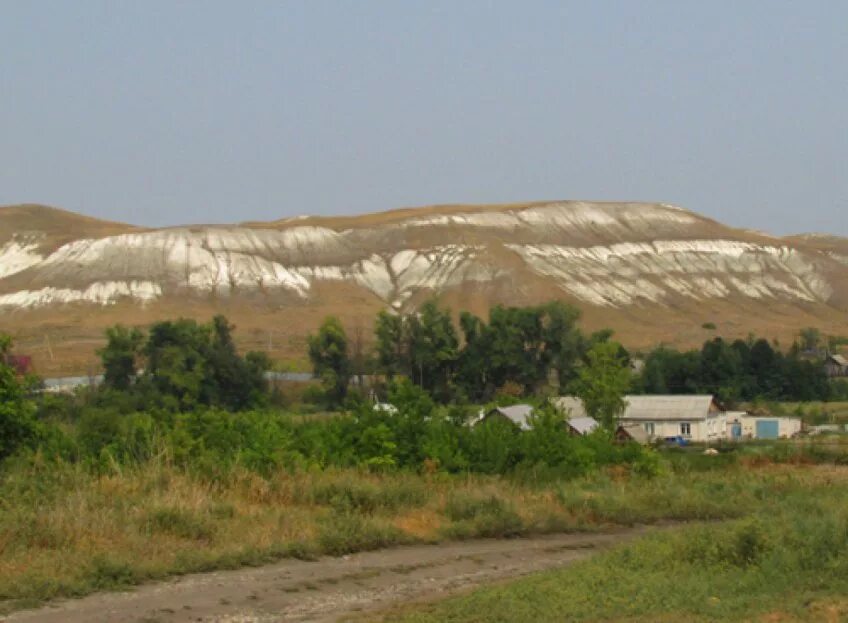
{"x": 745, "y": 426}
{"x": 836, "y": 366}
{"x": 518, "y": 415}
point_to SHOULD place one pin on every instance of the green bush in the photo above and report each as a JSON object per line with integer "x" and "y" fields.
{"x": 483, "y": 516}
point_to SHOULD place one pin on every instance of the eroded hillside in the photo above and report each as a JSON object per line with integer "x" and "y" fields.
{"x": 649, "y": 270}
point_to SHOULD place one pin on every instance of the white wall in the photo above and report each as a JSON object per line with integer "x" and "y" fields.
{"x": 786, "y": 426}
{"x": 712, "y": 428}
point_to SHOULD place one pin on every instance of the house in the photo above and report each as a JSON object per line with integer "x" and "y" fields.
{"x": 836, "y": 366}
{"x": 695, "y": 418}
{"x": 632, "y": 432}
{"x": 516, "y": 414}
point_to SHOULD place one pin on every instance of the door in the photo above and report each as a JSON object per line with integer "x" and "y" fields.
{"x": 767, "y": 429}
{"x": 736, "y": 430}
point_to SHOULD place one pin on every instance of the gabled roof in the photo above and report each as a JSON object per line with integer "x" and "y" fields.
{"x": 583, "y": 425}
{"x": 517, "y": 414}
{"x": 636, "y": 432}
{"x": 571, "y": 406}
{"x": 839, "y": 359}
{"x": 669, "y": 407}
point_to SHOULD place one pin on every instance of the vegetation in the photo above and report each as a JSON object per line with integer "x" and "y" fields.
{"x": 183, "y": 461}
{"x": 602, "y": 383}
{"x": 187, "y": 366}
{"x": 69, "y": 530}
{"x": 787, "y": 559}
{"x": 735, "y": 371}
{"x": 330, "y": 361}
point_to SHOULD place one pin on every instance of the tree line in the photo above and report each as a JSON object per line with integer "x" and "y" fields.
{"x": 524, "y": 350}
{"x": 517, "y": 350}
{"x": 741, "y": 370}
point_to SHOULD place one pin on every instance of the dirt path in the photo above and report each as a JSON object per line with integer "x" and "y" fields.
{"x": 329, "y": 588}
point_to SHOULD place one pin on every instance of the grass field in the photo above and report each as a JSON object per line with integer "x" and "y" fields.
{"x": 786, "y": 560}
{"x": 65, "y": 531}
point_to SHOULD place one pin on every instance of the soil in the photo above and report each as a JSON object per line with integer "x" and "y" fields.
{"x": 330, "y": 588}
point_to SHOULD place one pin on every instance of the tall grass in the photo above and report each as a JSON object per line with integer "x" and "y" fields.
{"x": 787, "y": 561}
{"x": 67, "y": 530}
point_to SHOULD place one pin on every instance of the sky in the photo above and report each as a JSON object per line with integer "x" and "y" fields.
{"x": 172, "y": 112}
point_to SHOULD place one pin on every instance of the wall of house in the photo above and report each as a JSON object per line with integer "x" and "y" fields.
{"x": 712, "y": 428}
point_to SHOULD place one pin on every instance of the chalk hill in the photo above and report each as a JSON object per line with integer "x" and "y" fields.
{"x": 652, "y": 271}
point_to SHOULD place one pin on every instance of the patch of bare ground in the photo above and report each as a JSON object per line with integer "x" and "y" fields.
{"x": 329, "y": 589}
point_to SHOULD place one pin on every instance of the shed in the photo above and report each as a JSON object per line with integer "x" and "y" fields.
{"x": 745, "y": 426}
{"x": 836, "y": 366}
{"x": 516, "y": 414}
{"x": 582, "y": 425}
{"x": 632, "y": 432}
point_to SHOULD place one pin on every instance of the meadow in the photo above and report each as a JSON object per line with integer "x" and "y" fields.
{"x": 785, "y": 558}
{"x": 68, "y": 530}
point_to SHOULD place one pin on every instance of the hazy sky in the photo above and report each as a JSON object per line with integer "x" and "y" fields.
{"x": 171, "y": 112}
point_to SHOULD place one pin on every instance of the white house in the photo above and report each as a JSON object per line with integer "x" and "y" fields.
{"x": 696, "y": 418}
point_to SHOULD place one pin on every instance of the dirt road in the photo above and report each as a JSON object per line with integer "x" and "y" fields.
{"x": 329, "y": 588}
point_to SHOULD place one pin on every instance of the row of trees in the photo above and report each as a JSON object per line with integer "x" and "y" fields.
{"x": 182, "y": 365}
{"x": 520, "y": 349}
{"x": 738, "y": 370}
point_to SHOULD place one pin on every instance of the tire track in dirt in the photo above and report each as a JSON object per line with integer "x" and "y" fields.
{"x": 329, "y": 588}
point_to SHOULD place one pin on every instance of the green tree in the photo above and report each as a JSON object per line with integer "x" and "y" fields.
{"x": 563, "y": 340}
{"x": 391, "y": 344}
{"x": 330, "y": 360}
{"x": 120, "y": 356}
{"x": 178, "y": 364}
{"x": 602, "y": 383}
{"x": 433, "y": 349}
{"x": 17, "y": 412}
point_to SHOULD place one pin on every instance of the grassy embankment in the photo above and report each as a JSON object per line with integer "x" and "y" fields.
{"x": 785, "y": 560}
{"x": 65, "y": 531}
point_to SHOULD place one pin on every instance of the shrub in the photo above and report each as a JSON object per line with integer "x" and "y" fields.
{"x": 487, "y": 516}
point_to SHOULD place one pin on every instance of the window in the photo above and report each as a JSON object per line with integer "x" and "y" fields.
{"x": 685, "y": 429}
{"x": 649, "y": 428}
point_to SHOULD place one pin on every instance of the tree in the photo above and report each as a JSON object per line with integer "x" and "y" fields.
{"x": 120, "y": 356}
{"x": 330, "y": 360}
{"x": 433, "y": 349}
{"x": 391, "y": 346}
{"x": 187, "y": 365}
{"x": 563, "y": 340}
{"x": 475, "y": 358}
{"x": 602, "y": 383}
{"x": 811, "y": 338}
{"x": 17, "y": 413}
{"x": 178, "y": 363}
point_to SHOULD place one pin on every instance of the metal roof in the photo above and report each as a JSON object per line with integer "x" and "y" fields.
{"x": 583, "y": 425}
{"x": 670, "y": 407}
{"x": 667, "y": 407}
{"x": 842, "y": 361}
{"x": 636, "y": 432}
{"x": 517, "y": 414}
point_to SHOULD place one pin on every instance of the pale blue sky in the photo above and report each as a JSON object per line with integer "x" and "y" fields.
{"x": 171, "y": 112}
